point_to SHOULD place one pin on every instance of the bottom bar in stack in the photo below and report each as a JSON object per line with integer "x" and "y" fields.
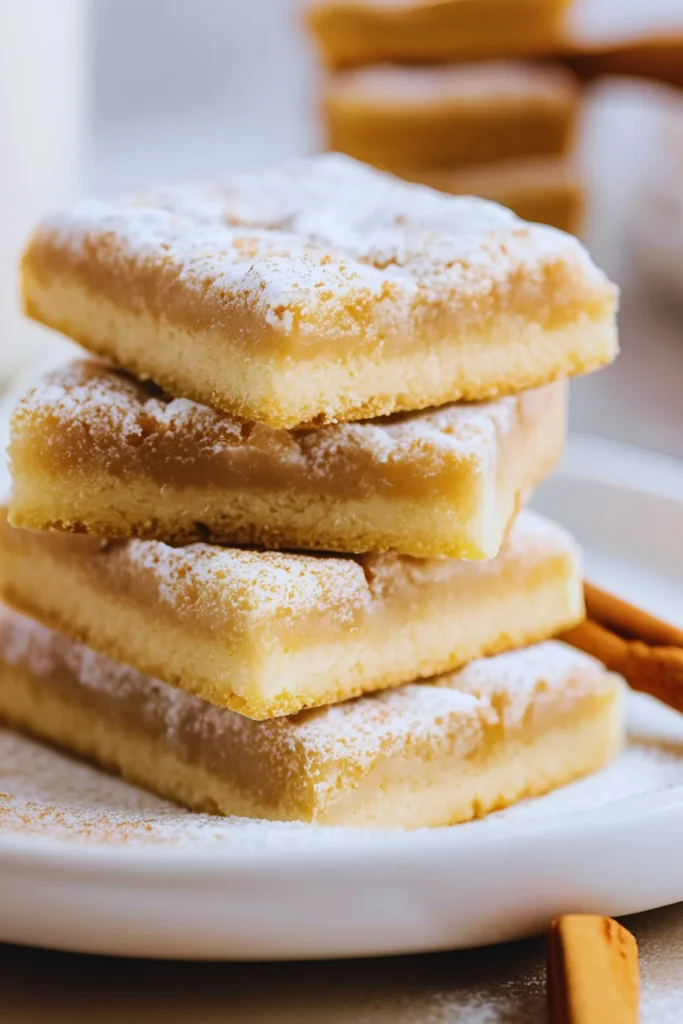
{"x": 425, "y": 754}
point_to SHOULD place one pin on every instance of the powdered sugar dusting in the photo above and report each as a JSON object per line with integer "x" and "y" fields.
{"x": 241, "y": 588}
{"x": 46, "y": 795}
{"x": 234, "y": 591}
{"x": 502, "y": 689}
{"x": 95, "y": 410}
{"x": 261, "y": 585}
{"x": 104, "y": 402}
{"x": 465, "y": 431}
{"x": 332, "y": 746}
{"x": 539, "y": 676}
{"x": 317, "y": 247}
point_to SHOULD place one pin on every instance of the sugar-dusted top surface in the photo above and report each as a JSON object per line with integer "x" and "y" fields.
{"x": 248, "y": 585}
{"x": 96, "y": 409}
{"x": 331, "y": 743}
{"x": 263, "y": 587}
{"x": 500, "y": 689}
{"x": 538, "y": 675}
{"x": 504, "y": 82}
{"x": 322, "y": 249}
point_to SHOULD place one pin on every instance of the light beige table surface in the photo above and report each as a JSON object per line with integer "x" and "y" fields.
{"x": 498, "y": 985}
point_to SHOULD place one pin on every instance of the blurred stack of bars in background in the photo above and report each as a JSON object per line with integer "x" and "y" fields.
{"x": 462, "y": 95}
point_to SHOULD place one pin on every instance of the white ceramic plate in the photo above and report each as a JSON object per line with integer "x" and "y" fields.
{"x": 88, "y": 863}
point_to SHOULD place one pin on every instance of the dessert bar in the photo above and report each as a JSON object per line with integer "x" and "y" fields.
{"x": 321, "y": 291}
{"x": 269, "y": 633}
{"x": 94, "y": 450}
{"x": 434, "y": 753}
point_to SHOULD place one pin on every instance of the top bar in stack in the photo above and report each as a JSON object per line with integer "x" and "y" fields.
{"x": 352, "y": 32}
{"x": 321, "y": 291}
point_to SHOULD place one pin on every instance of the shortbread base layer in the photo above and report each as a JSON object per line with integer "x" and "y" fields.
{"x": 181, "y": 516}
{"x": 513, "y": 353}
{"x": 93, "y": 452}
{"x": 241, "y": 645}
{"x": 447, "y": 769}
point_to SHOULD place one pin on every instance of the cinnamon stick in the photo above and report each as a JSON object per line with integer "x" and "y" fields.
{"x": 627, "y": 620}
{"x": 647, "y": 652}
{"x": 592, "y": 971}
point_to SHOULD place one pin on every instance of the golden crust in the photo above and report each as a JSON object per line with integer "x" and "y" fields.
{"x": 434, "y": 754}
{"x": 323, "y": 292}
{"x": 267, "y": 634}
{"x": 95, "y": 451}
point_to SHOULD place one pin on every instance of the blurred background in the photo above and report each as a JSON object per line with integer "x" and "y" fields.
{"x": 102, "y": 96}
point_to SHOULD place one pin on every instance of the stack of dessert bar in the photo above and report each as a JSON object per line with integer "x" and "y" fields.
{"x": 360, "y": 370}
{"x": 444, "y": 92}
